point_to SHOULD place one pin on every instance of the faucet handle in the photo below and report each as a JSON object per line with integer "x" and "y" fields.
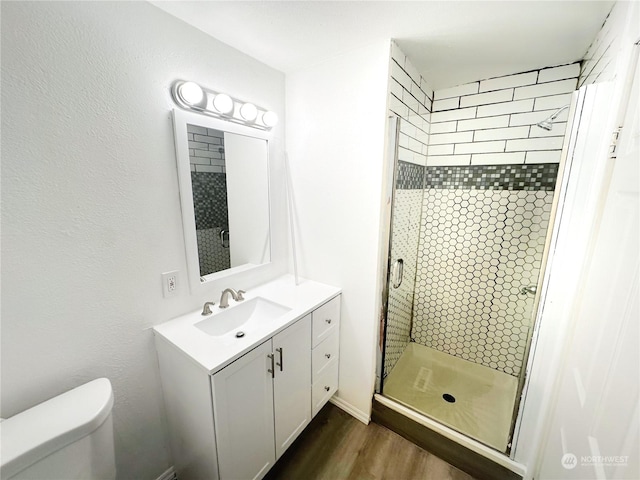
{"x": 240, "y": 295}
{"x": 206, "y": 310}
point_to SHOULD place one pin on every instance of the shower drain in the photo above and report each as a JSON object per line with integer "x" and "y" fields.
{"x": 449, "y": 398}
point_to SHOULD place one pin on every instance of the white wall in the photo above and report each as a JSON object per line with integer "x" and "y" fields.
{"x": 336, "y": 113}
{"x": 90, "y": 206}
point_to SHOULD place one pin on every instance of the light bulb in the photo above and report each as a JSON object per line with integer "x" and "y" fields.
{"x": 223, "y": 103}
{"x": 270, "y": 119}
{"x": 249, "y": 112}
{"x": 191, "y": 93}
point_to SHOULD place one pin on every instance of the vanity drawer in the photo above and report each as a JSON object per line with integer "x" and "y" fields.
{"x": 325, "y": 353}
{"x": 325, "y": 321}
{"x": 323, "y": 388}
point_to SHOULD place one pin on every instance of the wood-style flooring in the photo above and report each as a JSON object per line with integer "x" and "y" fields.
{"x": 336, "y": 446}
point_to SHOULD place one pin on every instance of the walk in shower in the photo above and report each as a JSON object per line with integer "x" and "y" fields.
{"x": 465, "y": 259}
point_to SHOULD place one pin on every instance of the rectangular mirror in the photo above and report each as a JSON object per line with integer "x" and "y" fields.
{"x": 223, "y": 171}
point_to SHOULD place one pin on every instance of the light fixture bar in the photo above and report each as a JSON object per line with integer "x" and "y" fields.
{"x": 191, "y": 96}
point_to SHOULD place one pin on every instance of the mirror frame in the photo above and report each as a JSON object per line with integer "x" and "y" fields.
{"x": 180, "y": 120}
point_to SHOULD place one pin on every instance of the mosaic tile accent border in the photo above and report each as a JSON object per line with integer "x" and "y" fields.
{"x": 494, "y": 177}
{"x": 409, "y": 176}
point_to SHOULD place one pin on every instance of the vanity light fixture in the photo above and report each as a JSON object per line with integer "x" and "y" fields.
{"x": 223, "y": 103}
{"x": 191, "y": 93}
{"x": 249, "y": 112}
{"x": 270, "y": 119}
{"x": 191, "y": 96}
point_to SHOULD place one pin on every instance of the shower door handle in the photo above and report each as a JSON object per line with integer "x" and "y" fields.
{"x": 398, "y": 268}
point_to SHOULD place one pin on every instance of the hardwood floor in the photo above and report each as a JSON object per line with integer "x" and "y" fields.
{"x": 336, "y": 446}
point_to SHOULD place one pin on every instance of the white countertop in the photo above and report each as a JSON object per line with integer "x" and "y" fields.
{"x": 214, "y": 353}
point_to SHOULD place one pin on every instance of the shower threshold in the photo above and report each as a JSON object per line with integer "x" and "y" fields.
{"x": 473, "y": 399}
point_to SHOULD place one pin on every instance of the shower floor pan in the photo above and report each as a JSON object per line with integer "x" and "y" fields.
{"x": 470, "y": 398}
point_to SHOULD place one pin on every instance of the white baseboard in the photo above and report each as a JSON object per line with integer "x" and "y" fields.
{"x": 169, "y": 474}
{"x": 351, "y": 410}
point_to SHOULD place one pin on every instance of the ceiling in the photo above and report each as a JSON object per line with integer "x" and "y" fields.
{"x": 449, "y": 42}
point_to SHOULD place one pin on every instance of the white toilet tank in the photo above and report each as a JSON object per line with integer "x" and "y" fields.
{"x": 69, "y": 437}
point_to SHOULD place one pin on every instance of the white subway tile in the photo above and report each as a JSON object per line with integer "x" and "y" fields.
{"x": 425, "y": 148}
{"x": 482, "y": 123}
{"x": 395, "y": 88}
{"x": 547, "y": 143}
{"x": 497, "y": 158}
{"x": 405, "y": 154}
{"x": 444, "y": 127}
{"x": 411, "y": 70}
{"x": 442, "y": 138}
{"x": 397, "y": 54}
{"x": 415, "y": 145}
{"x": 410, "y": 156}
{"x": 559, "y": 128}
{"x": 559, "y": 73}
{"x": 193, "y": 168}
{"x": 399, "y": 108}
{"x": 207, "y": 168}
{"x": 418, "y": 93}
{"x": 460, "y": 114}
{"x": 448, "y": 160}
{"x": 446, "y": 104}
{"x": 487, "y": 98}
{"x": 400, "y": 75}
{"x": 479, "y": 147}
{"x": 550, "y": 156}
{"x": 544, "y": 89}
{"x": 532, "y": 118}
{"x": 440, "y": 149}
{"x": 410, "y": 101}
{"x": 424, "y": 110}
{"x": 499, "y": 83}
{"x": 553, "y": 101}
{"x": 422, "y": 136}
{"x": 501, "y": 133}
{"x": 466, "y": 89}
{"x": 506, "y": 107}
{"x": 426, "y": 88}
{"x": 403, "y": 140}
{"x": 408, "y": 128}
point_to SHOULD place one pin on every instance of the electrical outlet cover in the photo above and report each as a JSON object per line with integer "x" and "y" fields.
{"x": 170, "y": 283}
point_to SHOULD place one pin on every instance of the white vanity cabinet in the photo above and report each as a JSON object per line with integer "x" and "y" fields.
{"x": 262, "y": 401}
{"x": 325, "y": 352}
{"x": 235, "y": 404}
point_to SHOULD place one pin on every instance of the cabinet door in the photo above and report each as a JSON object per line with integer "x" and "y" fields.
{"x": 243, "y": 407}
{"x": 292, "y": 382}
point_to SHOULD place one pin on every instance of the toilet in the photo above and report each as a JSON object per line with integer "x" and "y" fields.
{"x": 68, "y": 437}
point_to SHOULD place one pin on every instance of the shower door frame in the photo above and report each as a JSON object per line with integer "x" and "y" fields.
{"x": 392, "y": 156}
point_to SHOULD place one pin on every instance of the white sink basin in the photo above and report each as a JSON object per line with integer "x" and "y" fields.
{"x": 246, "y": 315}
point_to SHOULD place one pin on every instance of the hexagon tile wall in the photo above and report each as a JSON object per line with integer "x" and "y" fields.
{"x": 482, "y": 238}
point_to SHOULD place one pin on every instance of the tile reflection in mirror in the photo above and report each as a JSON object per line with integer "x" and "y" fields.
{"x": 209, "y": 186}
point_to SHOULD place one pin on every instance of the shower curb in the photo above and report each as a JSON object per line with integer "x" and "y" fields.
{"x": 451, "y": 452}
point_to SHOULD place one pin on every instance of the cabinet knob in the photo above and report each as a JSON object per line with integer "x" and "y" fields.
{"x": 328, "y": 355}
{"x": 328, "y": 320}
{"x": 327, "y": 388}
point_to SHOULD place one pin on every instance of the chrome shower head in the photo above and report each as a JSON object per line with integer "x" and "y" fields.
{"x": 547, "y": 123}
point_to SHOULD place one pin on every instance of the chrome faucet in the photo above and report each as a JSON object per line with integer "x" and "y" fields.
{"x": 237, "y": 296}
